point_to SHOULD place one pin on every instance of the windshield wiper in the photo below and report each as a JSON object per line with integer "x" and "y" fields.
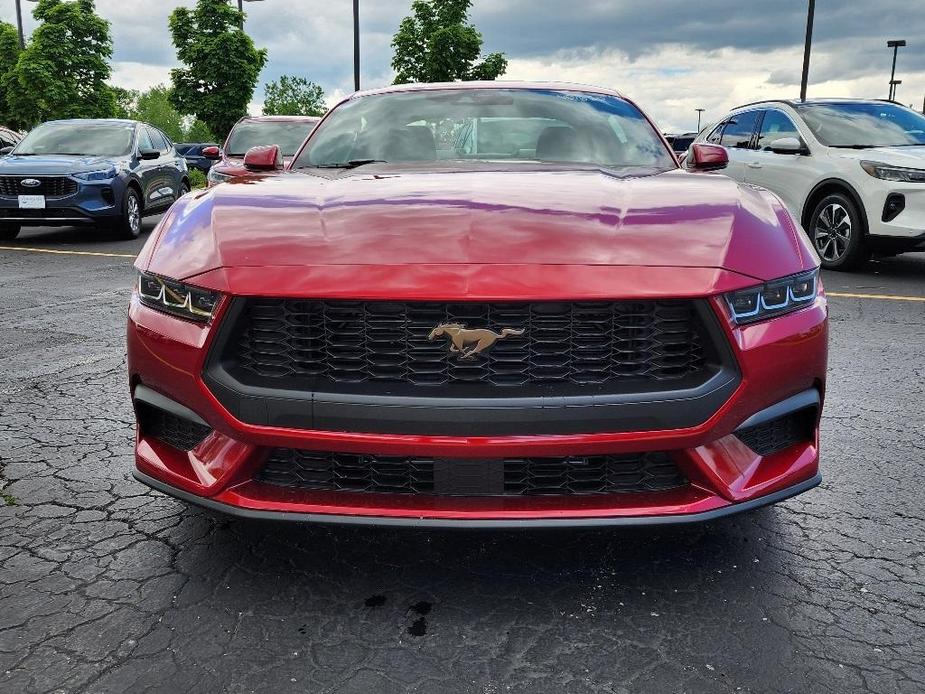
{"x": 352, "y": 164}
{"x": 855, "y": 146}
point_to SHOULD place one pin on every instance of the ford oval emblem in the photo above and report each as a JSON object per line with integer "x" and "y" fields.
{"x": 30, "y": 183}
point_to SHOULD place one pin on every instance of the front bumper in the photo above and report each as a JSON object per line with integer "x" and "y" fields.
{"x": 90, "y": 203}
{"x": 779, "y": 360}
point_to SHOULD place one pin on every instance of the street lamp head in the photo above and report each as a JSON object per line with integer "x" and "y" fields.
{"x": 896, "y": 44}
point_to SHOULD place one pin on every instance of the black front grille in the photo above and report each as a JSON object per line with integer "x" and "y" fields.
{"x": 49, "y": 186}
{"x": 570, "y": 476}
{"x": 167, "y": 427}
{"x": 780, "y": 433}
{"x": 546, "y": 343}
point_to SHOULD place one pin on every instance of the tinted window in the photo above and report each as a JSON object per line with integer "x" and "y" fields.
{"x": 871, "y": 124}
{"x": 776, "y": 125}
{"x": 144, "y": 140}
{"x": 521, "y": 125}
{"x": 739, "y": 129}
{"x": 93, "y": 139}
{"x": 714, "y": 136}
{"x": 287, "y": 134}
{"x": 158, "y": 141}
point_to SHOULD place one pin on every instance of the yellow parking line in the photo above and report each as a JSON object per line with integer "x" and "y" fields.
{"x": 55, "y": 251}
{"x": 884, "y": 297}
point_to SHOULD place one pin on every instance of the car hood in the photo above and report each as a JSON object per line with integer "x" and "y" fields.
{"x": 486, "y": 218}
{"x": 51, "y": 164}
{"x": 911, "y": 157}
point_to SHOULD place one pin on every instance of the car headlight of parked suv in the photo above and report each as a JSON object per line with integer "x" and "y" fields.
{"x": 214, "y": 177}
{"x": 773, "y": 298}
{"x": 176, "y": 298}
{"x": 102, "y": 175}
{"x": 893, "y": 173}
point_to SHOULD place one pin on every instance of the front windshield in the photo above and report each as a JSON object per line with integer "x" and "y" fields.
{"x": 512, "y": 125}
{"x": 871, "y": 124}
{"x": 289, "y": 136}
{"x": 87, "y": 139}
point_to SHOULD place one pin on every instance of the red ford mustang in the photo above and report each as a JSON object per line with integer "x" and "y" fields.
{"x": 483, "y": 305}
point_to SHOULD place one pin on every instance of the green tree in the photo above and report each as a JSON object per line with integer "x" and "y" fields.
{"x": 293, "y": 96}
{"x": 155, "y": 107}
{"x": 125, "y": 99}
{"x": 198, "y": 132}
{"x": 62, "y": 72}
{"x": 221, "y": 64}
{"x": 9, "y": 54}
{"x": 436, "y": 44}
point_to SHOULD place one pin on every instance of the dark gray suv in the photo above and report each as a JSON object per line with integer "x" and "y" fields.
{"x": 104, "y": 173}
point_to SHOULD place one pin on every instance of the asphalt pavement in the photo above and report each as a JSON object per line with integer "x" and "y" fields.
{"x": 106, "y": 586}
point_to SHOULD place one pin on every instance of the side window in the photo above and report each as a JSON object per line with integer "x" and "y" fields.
{"x": 158, "y": 141}
{"x": 739, "y": 129}
{"x": 775, "y": 126}
{"x": 6, "y": 139}
{"x": 714, "y": 136}
{"x": 144, "y": 140}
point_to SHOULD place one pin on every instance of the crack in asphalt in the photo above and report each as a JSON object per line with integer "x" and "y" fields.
{"x": 106, "y": 586}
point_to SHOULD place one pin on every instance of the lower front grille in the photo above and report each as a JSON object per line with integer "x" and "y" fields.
{"x": 168, "y": 428}
{"x": 778, "y": 434}
{"x": 568, "y": 476}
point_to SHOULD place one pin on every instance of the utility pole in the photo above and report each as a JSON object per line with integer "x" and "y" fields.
{"x": 699, "y": 113}
{"x": 895, "y": 45}
{"x": 810, "y": 12}
{"x": 356, "y": 45}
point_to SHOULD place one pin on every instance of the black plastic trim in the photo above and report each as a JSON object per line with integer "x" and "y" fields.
{"x": 800, "y": 401}
{"x": 495, "y": 416}
{"x": 486, "y": 524}
{"x": 162, "y": 402}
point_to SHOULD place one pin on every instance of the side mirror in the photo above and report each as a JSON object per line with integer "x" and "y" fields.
{"x": 148, "y": 154}
{"x": 5, "y": 150}
{"x": 787, "y": 145}
{"x": 704, "y": 157}
{"x": 211, "y": 152}
{"x": 263, "y": 158}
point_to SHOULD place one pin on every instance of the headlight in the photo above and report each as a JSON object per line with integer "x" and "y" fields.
{"x": 215, "y": 177}
{"x": 102, "y": 175}
{"x": 893, "y": 173}
{"x": 774, "y": 298}
{"x": 176, "y": 298}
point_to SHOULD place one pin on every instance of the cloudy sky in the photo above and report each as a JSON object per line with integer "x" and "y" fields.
{"x": 672, "y": 56}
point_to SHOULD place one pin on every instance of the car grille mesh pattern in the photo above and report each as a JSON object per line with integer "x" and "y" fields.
{"x": 574, "y": 475}
{"x": 168, "y": 428}
{"x": 49, "y": 186}
{"x": 778, "y": 434}
{"x": 578, "y": 343}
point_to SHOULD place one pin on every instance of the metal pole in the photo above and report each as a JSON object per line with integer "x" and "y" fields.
{"x": 22, "y": 36}
{"x": 811, "y": 11}
{"x": 356, "y": 45}
{"x": 241, "y": 19}
{"x": 893, "y": 72}
{"x": 699, "y": 113}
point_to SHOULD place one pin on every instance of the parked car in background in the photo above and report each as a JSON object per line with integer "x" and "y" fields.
{"x": 195, "y": 159}
{"x": 9, "y": 138}
{"x": 288, "y": 132}
{"x": 106, "y": 173}
{"x": 424, "y": 321}
{"x": 681, "y": 143}
{"x": 852, "y": 171}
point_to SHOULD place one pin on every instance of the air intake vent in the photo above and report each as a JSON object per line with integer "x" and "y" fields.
{"x": 169, "y": 428}
{"x": 778, "y": 434}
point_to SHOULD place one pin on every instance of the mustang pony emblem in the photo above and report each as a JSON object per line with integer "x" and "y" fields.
{"x": 467, "y": 343}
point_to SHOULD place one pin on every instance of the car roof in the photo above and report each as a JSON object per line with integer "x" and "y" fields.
{"x": 295, "y": 119}
{"x": 494, "y": 84}
{"x": 96, "y": 121}
{"x": 822, "y": 100}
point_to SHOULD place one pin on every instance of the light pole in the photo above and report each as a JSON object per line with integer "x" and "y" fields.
{"x": 241, "y": 10}
{"x": 893, "y": 85}
{"x": 356, "y": 45}
{"x": 22, "y": 34}
{"x": 699, "y": 113}
{"x": 895, "y": 45}
{"x": 810, "y": 13}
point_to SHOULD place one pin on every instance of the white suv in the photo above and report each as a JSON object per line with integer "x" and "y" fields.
{"x": 852, "y": 171}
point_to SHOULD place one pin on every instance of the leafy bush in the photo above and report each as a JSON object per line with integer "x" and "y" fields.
{"x": 197, "y": 179}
